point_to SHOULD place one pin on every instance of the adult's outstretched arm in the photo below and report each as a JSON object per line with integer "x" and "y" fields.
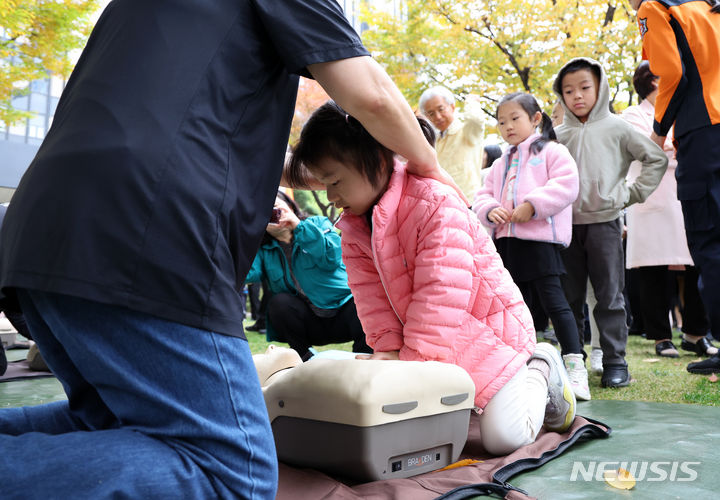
{"x": 363, "y": 89}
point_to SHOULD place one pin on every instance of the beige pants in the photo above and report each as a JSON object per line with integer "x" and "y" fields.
{"x": 514, "y": 416}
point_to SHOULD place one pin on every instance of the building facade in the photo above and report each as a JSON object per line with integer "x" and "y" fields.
{"x": 20, "y": 141}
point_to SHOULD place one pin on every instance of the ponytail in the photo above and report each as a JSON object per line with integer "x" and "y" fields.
{"x": 547, "y": 134}
{"x": 427, "y": 130}
{"x": 531, "y": 107}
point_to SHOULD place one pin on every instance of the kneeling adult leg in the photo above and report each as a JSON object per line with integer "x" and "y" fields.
{"x": 84, "y": 410}
{"x": 191, "y": 418}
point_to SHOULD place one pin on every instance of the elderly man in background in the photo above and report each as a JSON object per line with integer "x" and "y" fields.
{"x": 460, "y": 141}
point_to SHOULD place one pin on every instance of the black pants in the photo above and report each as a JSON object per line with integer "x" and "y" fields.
{"x": 633, "y": 301}
{"x": 656, "y": 286}
{"x": 548, "y": 290}
{"x": 596, "y": 252}
{"x": 698, "y": 180}
{"x": 694, "y": 317}
{"x": 254, "y": 296}
{"x": 294, "y": 321}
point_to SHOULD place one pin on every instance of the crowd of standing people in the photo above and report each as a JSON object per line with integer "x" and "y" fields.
{"x": 625, "y": 213}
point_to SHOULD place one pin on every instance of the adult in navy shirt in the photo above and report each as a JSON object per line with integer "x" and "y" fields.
{"x": 134, "y": 226}
{"x": 3, "y": 358}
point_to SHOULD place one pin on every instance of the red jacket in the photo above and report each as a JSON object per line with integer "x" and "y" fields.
{"x": 429, "y": 283}
{"x": 681, "y": 40}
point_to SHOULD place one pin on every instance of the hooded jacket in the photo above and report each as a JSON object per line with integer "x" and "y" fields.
{"x": 547, "y": 179}
{"x": 428, "y": 282}
{"x": 603, "y": 148}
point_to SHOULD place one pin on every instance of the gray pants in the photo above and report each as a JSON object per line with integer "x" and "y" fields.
{"x": 596, "y": 252}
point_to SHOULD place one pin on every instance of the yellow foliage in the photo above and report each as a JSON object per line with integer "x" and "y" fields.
{"x": 38, "y": 37}
{"x": 492, "y": 47}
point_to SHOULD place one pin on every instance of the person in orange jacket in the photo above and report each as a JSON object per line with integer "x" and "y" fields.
{"x": 681, "y": 40}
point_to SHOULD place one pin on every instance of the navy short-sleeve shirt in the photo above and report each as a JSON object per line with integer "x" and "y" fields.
{"x": 155, "y": 182}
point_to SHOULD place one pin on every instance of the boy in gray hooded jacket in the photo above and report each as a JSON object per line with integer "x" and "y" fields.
{"x": 603, "y": 146}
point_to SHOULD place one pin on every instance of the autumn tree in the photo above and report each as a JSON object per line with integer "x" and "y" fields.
{"x": 37, "y": 38}
{"x": 310, "y": 97}
{"x": 492, "y": 47}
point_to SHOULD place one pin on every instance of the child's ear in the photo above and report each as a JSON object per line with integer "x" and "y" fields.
{"x": 537, "y": 118}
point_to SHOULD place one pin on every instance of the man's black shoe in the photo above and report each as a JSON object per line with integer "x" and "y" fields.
{"x": 615, "y": 376}
{"x": 256, "y": 327}
{"x": 706, "y": 366}
{"x": 701, "y": 347}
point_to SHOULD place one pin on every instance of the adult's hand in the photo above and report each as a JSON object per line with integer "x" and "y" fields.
{"x": 659, "y": 140}
{"x": 439, "y": 174}
{"x": 288, "y": 218}
{"x": 286, "y": 224}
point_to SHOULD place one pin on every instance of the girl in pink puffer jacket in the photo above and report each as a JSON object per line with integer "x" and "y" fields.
{"x": 527, "y": 201}
{"x": 428, "y": 283}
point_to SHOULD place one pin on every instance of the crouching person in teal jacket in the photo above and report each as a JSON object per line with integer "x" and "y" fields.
{"x": 301, "y": 262}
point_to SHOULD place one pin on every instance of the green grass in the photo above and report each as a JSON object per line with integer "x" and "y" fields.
{"x": 258, "y": 343}
{"x": 654, "y": 378}
{"x": 659, "y": 379}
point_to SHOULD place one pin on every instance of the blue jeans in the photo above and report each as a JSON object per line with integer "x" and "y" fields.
{"x": 155, "y": 409}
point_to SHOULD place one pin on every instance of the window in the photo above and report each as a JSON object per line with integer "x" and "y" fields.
{"x": 40, "y": 86}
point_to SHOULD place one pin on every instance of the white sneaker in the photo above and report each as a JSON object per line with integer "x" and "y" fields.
{"x": 560, "y": 408}
{"x": 578, "y": 376}
{"x": 596, "y": 361}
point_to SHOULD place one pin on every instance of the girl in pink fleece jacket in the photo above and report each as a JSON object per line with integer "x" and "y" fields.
{"x": 428, "y": 283}
{"x": 527, "y": 200}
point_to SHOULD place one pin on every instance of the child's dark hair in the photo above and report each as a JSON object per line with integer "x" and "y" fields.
{"x": 427, "y": 130}
{"x": 530, "y": 106}
{"x": 643, "y": 80}
{"x": 714, "y": 6}
{"x": 492, "y": 153}
{"x": 332, "y": 133}
{"x": 579, "y": 65}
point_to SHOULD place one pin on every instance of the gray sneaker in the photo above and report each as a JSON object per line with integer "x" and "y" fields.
{"x": 560, "y": 408}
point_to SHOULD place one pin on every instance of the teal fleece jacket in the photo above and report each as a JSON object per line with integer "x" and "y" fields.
{"x": 316, "y": 262}
{"x": 603, "y": 148}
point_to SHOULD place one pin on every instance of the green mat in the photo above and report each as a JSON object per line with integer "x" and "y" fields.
{"x": 678, "y": 446}
{"x": 28, "y": 391}
{"x": 672, "y": 449}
